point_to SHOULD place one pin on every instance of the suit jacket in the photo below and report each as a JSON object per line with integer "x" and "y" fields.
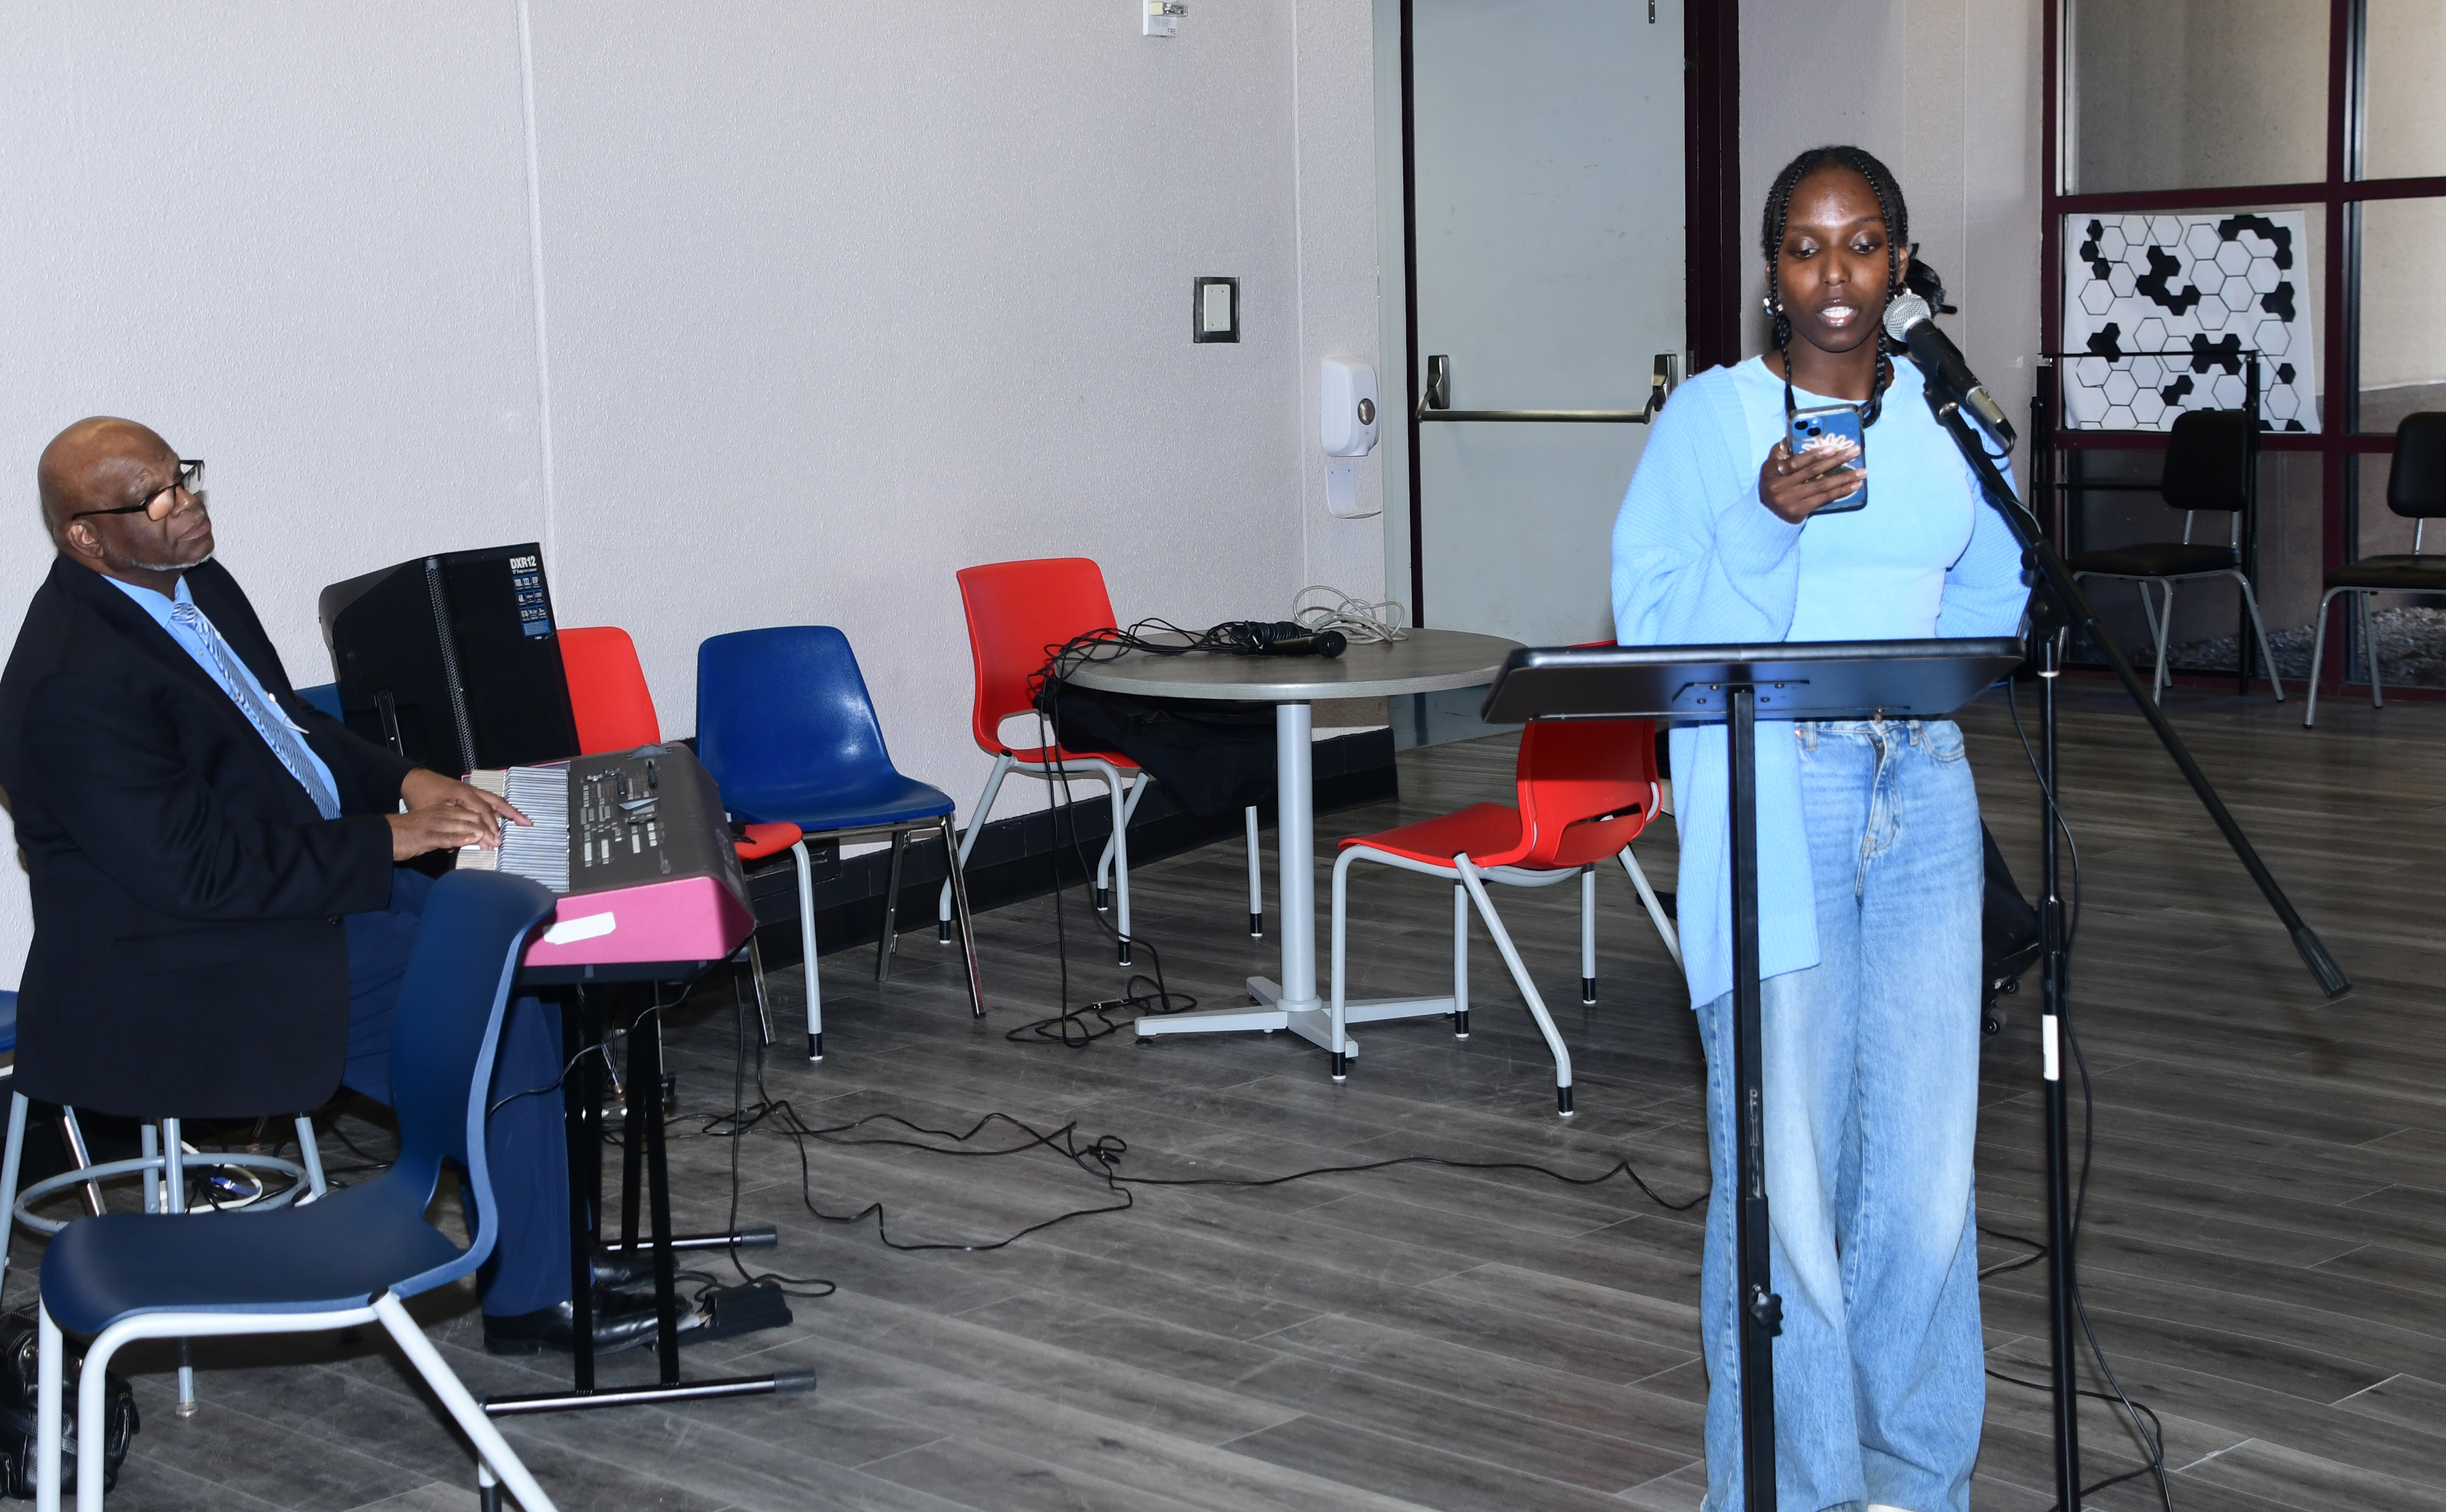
{"x": 189, "y": 959}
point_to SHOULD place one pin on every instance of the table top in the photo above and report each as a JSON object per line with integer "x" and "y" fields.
{"x": 1422, "y": 662}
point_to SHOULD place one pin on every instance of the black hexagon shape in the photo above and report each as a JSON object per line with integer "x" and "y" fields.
{"x": 2105, "y": 342}
{"x": 2279, "y": 301}
{"x": 2281, "y": 237}
{"x": 2284, "y": 372}
{"x": 2226, "y": 354}
{"x": 2163, "y": 266}
{"x": 2173, "y": 393}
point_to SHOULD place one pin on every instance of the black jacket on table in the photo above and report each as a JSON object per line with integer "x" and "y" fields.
{"x": 189, "y": 959}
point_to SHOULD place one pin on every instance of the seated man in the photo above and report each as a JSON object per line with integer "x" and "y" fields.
{"x": 213, "y": 864}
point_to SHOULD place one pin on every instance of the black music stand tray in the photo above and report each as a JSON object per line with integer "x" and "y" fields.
{"x": 1737, "y": 686}
{"x": 642, "y": 1155}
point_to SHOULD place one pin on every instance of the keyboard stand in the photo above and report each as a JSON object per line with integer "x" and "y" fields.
{"x": 582, "y": 1031}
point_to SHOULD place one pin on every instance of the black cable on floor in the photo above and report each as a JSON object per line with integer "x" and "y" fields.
{"x": 1070, "y": 1027}
{"x": 1099, "y": 1157}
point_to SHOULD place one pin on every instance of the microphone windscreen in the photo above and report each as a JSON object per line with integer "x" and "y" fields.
{"x": 1903, "y": 311}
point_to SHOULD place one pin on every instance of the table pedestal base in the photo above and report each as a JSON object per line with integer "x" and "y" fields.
{"x": 1311, "y": 1020}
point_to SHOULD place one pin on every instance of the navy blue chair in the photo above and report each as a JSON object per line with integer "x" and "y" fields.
{"x": 784, "y": 723}
{"x": 324, "y": 696}
{"x": 347, "y": 1260}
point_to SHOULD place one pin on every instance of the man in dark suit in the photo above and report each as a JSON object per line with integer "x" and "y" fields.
{"x": 221, "y": 924}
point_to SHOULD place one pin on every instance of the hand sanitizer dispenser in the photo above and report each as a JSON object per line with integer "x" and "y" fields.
{"x": 1348, "y": 428}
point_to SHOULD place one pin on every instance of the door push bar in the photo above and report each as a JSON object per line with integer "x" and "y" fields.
{"x": 1436, "y": 403}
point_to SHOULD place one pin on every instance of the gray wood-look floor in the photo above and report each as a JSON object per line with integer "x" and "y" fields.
{"x": 2264, "y": 1250}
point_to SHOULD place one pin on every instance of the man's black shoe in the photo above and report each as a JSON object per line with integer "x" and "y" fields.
{"x": 625, "y": 1272}
{"x": 622, "y": 1320}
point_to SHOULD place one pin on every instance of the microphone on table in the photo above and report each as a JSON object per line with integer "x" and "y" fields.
{"x": 1282, "y": 638}
{"x": 1910, "y": 322}
{"x": 1328, "y": 643}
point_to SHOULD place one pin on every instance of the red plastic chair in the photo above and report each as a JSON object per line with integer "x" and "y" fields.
{"x": 1017, "y": 613}
{"x": 614, "y": 710}
{"x": 1587, "y": 788}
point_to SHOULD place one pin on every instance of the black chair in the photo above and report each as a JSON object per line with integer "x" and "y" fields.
{"x": 2212, "y": 463}
{"x": 2415, "y": 489}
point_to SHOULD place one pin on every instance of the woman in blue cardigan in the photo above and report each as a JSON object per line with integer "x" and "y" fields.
{"x": 1869, "y": 859}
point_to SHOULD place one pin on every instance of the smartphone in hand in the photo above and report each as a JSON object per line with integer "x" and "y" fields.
{"x": 1826, "y": 424}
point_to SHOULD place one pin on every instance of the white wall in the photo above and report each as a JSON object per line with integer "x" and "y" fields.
{"x": 1947, "y": 93}
{"x": 800, "y": 309}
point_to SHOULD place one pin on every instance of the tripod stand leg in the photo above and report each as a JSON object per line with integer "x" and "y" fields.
{"x": 2054, "y": 999}
{"x": 1760, "y": 1312}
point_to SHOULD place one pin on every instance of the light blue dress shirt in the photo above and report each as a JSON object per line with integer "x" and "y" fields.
{"x": 1698, "y": 560}
{"x": 160, "y": 607}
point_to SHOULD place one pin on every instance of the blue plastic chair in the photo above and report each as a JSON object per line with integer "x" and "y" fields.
{"x": 784, "y": 724}
{"x": 347, "y": 1260}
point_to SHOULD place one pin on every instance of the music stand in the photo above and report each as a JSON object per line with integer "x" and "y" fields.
{"x": 1733, "y": 685}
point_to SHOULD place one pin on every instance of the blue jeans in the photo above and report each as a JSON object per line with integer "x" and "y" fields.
{"x": 525, "y": 1147}
{"x": 1871, "y": 1071}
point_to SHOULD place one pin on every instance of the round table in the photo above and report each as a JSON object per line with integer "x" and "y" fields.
{"x": 1422, "y": 662}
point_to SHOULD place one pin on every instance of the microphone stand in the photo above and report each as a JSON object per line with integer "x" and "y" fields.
{"x": 2061, "y": 605}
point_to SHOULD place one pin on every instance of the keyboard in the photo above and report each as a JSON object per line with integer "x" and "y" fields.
{"x": 636, "y": 845}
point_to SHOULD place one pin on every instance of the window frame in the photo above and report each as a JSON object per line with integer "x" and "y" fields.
{"x": 2337, "y": 195}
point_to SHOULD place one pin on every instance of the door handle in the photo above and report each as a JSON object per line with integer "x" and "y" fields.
{"x": 1436, "y": 403}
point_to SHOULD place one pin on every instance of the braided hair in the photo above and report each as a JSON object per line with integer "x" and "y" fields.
{"x": 1921, "y": 280}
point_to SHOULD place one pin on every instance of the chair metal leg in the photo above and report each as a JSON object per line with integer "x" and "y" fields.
{"x": 2369, "y": 647}
{"x": 491, "y": 1448}
{"x": 1338, "y": 1038}
{"x": 148, "y": 1142}
{"x": 1002, "y": 766}
{"x": 2159, "y": 624}
{"x": 1665, "y": 929}
{"x": 1461, "y": 962}
{"x": 891, "y": 906}
{"x": 807, "y": 944}
{"x": 51, "y": 1360}
{"x": 2250, "y": 602}
{"x": 2318, "y": 658}
{"x": 1124, "y": 799}
{"x": 310, "y": 1154}
{"x": 958, "y": 882}
{"x": 1256, "y": 881}
{"x": 1588, "y": 935}
{"x": 11, "y": 1164}
{"x": 1470, "y": 879}
{"x": 72, "y": 1135}
{"x": 174, "y": 1200}
{"x": 755, "y": 979}
{"x": 1115, "y": 852}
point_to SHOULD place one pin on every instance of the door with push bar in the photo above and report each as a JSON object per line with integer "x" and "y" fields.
{"x": 1544, "y": 225}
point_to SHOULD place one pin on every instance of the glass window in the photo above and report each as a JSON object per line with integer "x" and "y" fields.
{"x": 2404, "y": 130}
{"x": 2200, "y": 94}
{"x": 2404, "y": 319}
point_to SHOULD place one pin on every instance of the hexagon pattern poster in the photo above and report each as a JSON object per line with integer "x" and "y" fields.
{"x": 2168, "y": 306}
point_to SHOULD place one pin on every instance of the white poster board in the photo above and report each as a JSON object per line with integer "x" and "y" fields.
{"x": 2208, "y": 288}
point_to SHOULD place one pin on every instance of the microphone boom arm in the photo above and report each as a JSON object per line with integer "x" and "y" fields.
{"x": 2075, "y": 611}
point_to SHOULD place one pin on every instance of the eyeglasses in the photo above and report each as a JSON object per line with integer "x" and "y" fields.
{"x": 158, "y": 504}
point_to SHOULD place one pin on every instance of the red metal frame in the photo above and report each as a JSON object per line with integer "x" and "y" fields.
{"x": 2332, "y": 195}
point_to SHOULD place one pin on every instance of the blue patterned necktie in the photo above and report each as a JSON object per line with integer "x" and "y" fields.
{"x": 274, "y": 726}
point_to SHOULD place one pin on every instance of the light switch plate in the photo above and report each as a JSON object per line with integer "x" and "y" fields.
{"x": 1215, "y": 310}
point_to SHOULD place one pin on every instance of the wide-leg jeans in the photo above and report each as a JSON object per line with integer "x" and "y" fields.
{"x": 1872, "y": 1069}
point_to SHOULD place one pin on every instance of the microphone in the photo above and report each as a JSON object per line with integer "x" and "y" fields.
{"x": 1327, "y": 644}
{"x": 1282, "y": 638}
{"x": 1907, "y": 321}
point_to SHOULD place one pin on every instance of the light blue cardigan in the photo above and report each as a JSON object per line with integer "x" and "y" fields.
{"x": 1699, "y": 560}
